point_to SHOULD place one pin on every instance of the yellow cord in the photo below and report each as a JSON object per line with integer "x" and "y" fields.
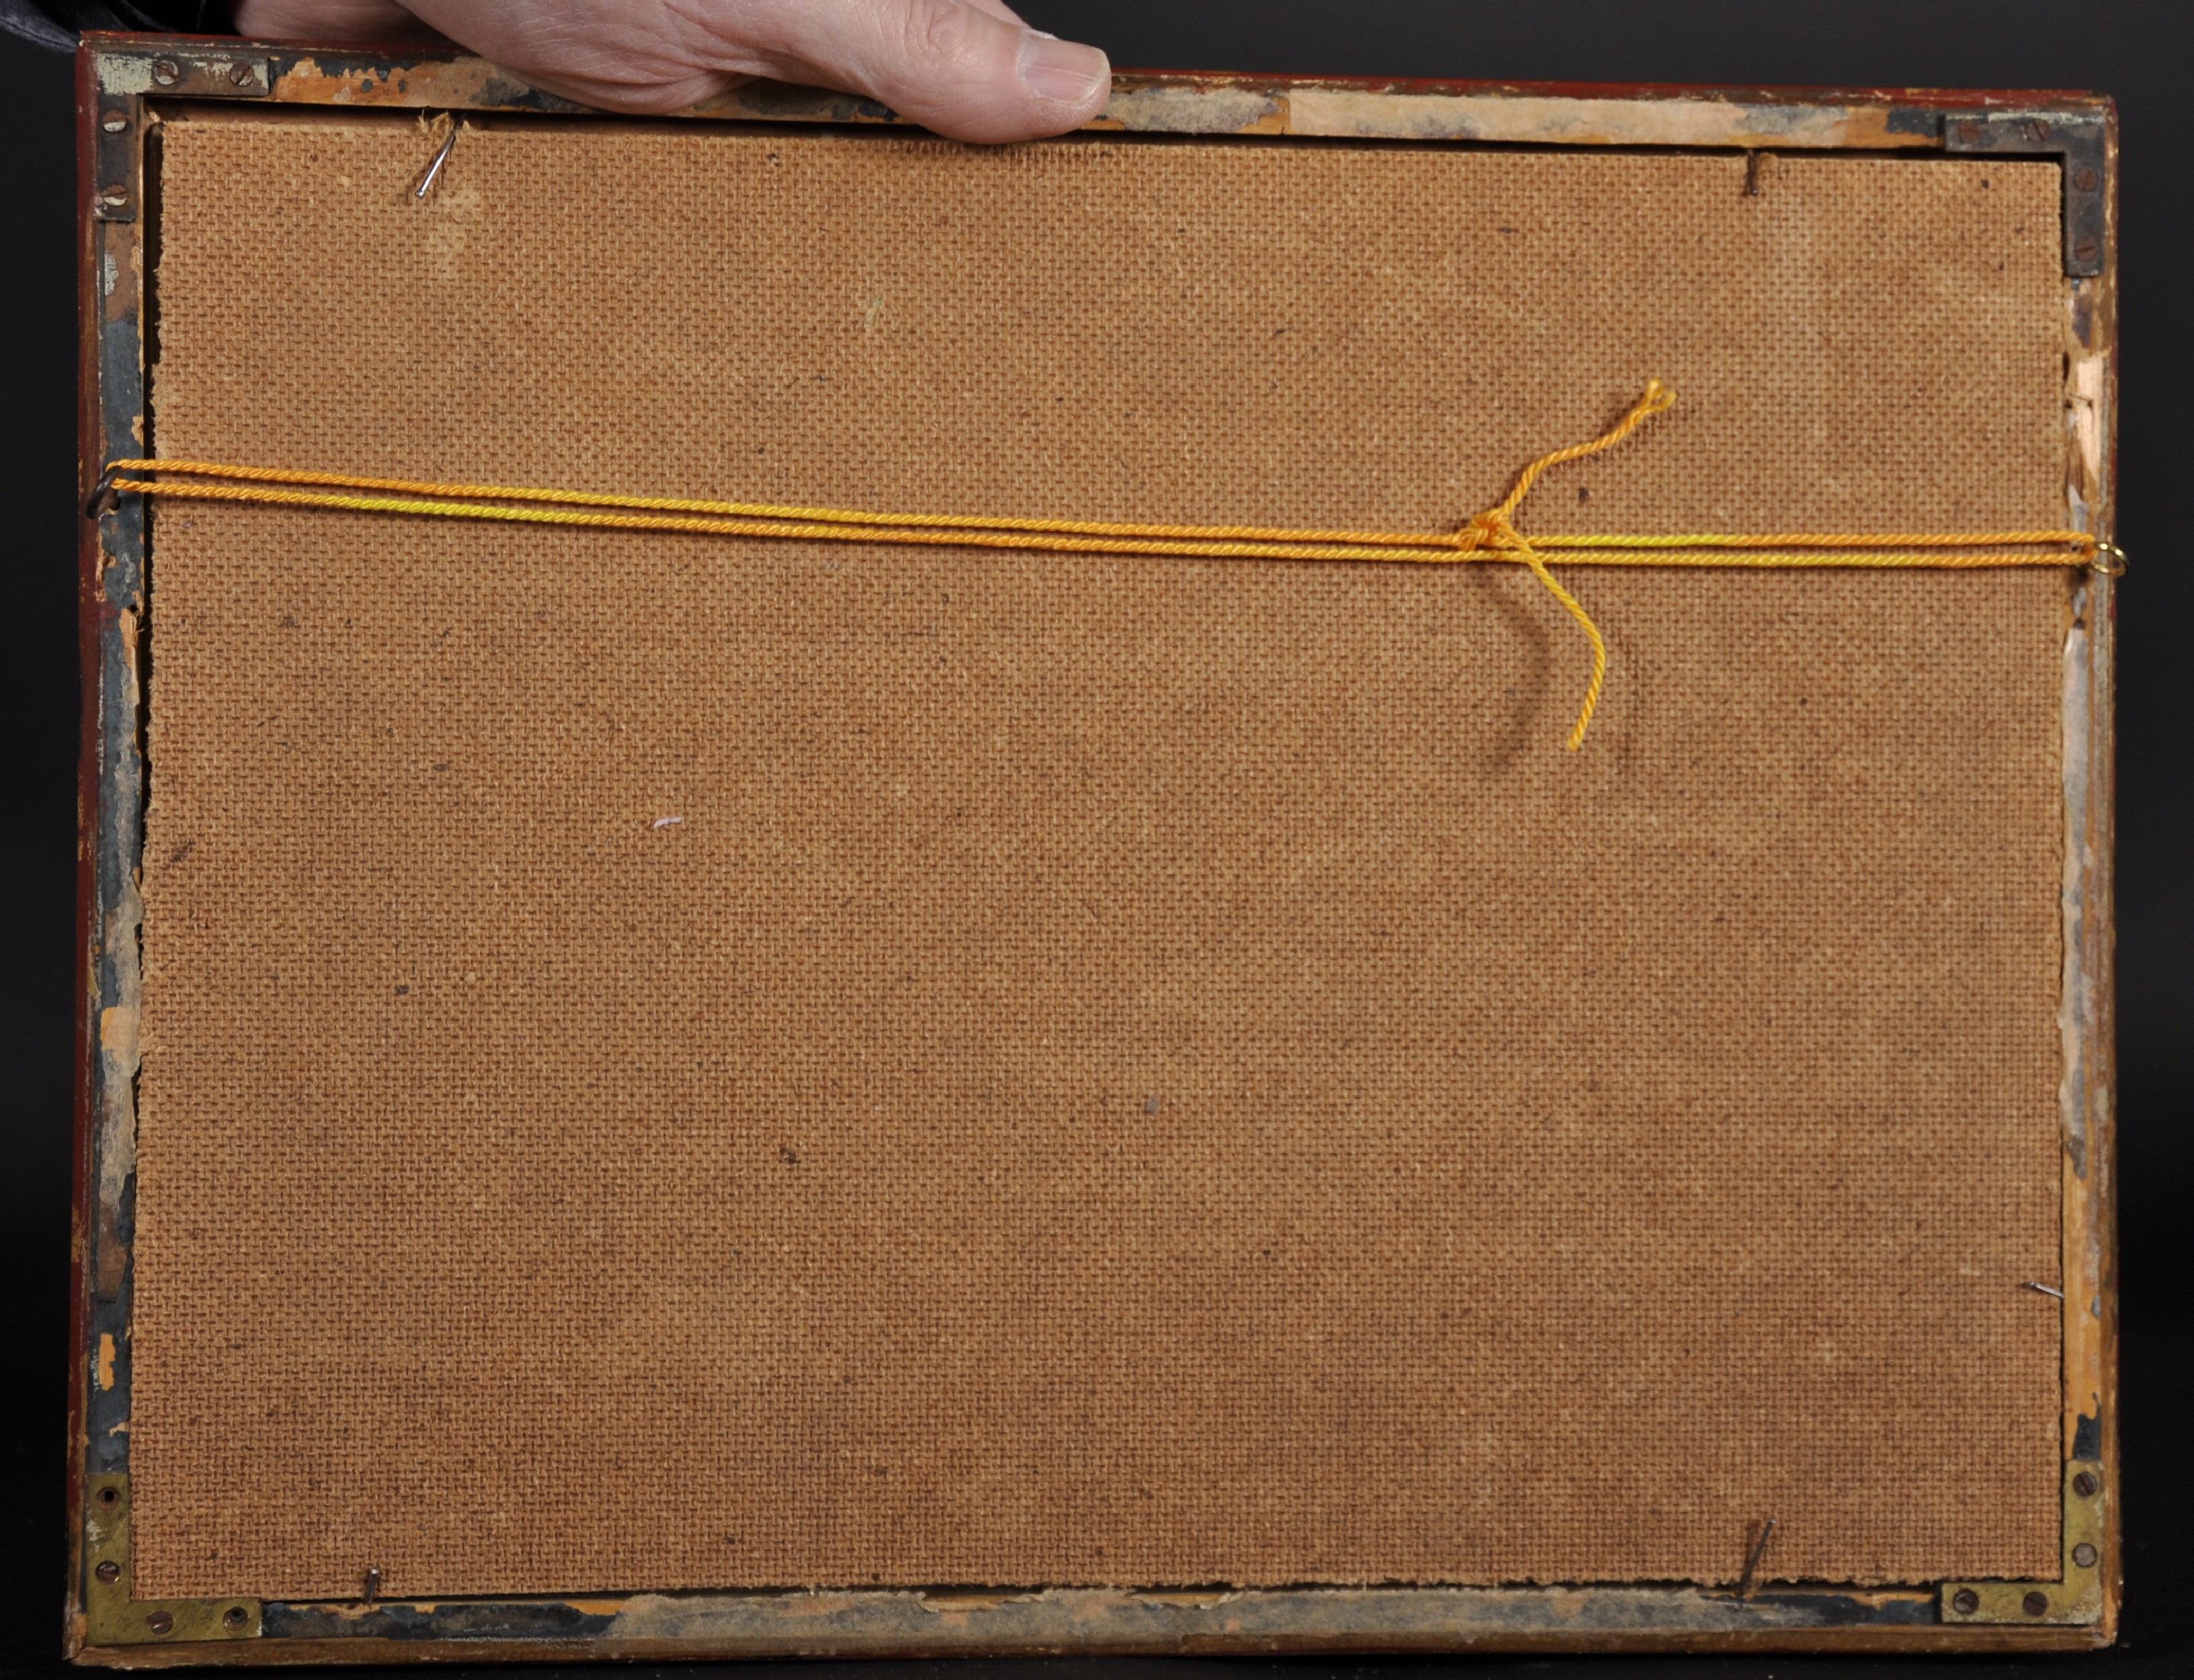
{"x": 1492, "y": 536}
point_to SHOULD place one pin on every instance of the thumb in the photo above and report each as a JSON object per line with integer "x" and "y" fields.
{"x": 956, "y": 68}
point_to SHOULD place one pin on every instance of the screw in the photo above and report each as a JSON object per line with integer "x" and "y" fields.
{"x": 115, "y": 123}
{"x": 1969, "y": 134}
{"x": 233, "y": 1616}
{"x": 1965, "y": 1600}
{"x": 2084, "y": 1484}
{"x": 2036, "y": 1603}
{"x": 160, "y": 1622}
{"x": 2085, "y": 180}
{"x": 2084, "y": 1555}
{"x": 118, "y": 196}
{"x": 2087, "y": 248}
{"x": 109, "y": 1572}
{"x": 167, "y": 73}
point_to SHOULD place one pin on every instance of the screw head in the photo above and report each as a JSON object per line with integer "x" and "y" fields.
{"x": 167, "y": 73}
{"x": 160, "y": 1622}
{"x": 2084, "y": 1484}
{"x": 2087, "y": 248}
{"x": 2036, "y": 1603}
{"x": 1965, "y": 1600}
{"x": 114, "y": 122}
{"x": 1969, "y": 134}
{"x": 239, "y": 75}
{"x": 233, "y": 1616}
{"x": 109, "y": 1572}
{"x": 2084, "y": 1555}
{"x": 2085, "y": 180}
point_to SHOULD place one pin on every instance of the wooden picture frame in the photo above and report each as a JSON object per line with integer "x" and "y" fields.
{"x": 125, "y": 86}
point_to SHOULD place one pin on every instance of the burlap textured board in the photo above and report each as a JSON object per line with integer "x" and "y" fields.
{"x": 676, "y": 1063}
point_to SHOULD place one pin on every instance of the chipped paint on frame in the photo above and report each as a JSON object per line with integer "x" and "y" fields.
{"x": 1539, "y": 114}
{"x": 1530, "y": 119}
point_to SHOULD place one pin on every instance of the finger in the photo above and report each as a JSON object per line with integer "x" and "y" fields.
{"x": 953, "y": 66}
{"x": 327, "y": 20}
{"x": 966, "y": 68}
{"x": 630, "y": 55}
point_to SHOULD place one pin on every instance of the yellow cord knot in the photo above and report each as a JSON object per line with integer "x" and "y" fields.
{"x": 1495, "y": 530}
{"x": 1489, "y": 531}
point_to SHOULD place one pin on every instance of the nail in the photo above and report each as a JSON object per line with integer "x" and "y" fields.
{"x": 1752, "y": 1563}
{"x": 1065, "y": 71}
{"x": 435, "y": 169}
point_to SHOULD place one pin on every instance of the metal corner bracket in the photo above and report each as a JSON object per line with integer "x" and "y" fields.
{"x": 193, "y": 71}
{"x": 2080, "y": 139}
{"x": 125, "y": 80}
{"x": 112, "y": 1617}
{"x": 2078, "y": 1598}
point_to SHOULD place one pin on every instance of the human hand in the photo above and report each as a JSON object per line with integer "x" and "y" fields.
{"x": 970, "y": 69}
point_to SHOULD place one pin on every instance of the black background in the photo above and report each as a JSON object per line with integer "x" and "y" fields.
{"x": 2136, "y": 50}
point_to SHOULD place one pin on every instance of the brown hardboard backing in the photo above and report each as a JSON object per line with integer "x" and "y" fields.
{"x": 671, "y": 1063}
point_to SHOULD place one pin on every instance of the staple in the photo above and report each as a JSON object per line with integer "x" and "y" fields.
{"x": 1752, "y": 1563}
{"x": 435, "y": 169}
{"x": 2044, "y": 1289}
{"x": 373, "y": 1584}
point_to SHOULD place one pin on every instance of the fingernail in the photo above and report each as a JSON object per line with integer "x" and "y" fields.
{"x": 1061, "y": 70}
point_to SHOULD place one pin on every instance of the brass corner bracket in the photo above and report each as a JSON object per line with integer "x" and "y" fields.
{"x": 112, "y": 1617}
{"x": 2080, "y": 141}
{"x": 2078, "y": 1598}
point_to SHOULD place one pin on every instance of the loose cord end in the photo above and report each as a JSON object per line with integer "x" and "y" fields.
{"x": 1494, "y": 530}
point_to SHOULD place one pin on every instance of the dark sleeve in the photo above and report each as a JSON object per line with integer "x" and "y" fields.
{"x": 54, "y": 23}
